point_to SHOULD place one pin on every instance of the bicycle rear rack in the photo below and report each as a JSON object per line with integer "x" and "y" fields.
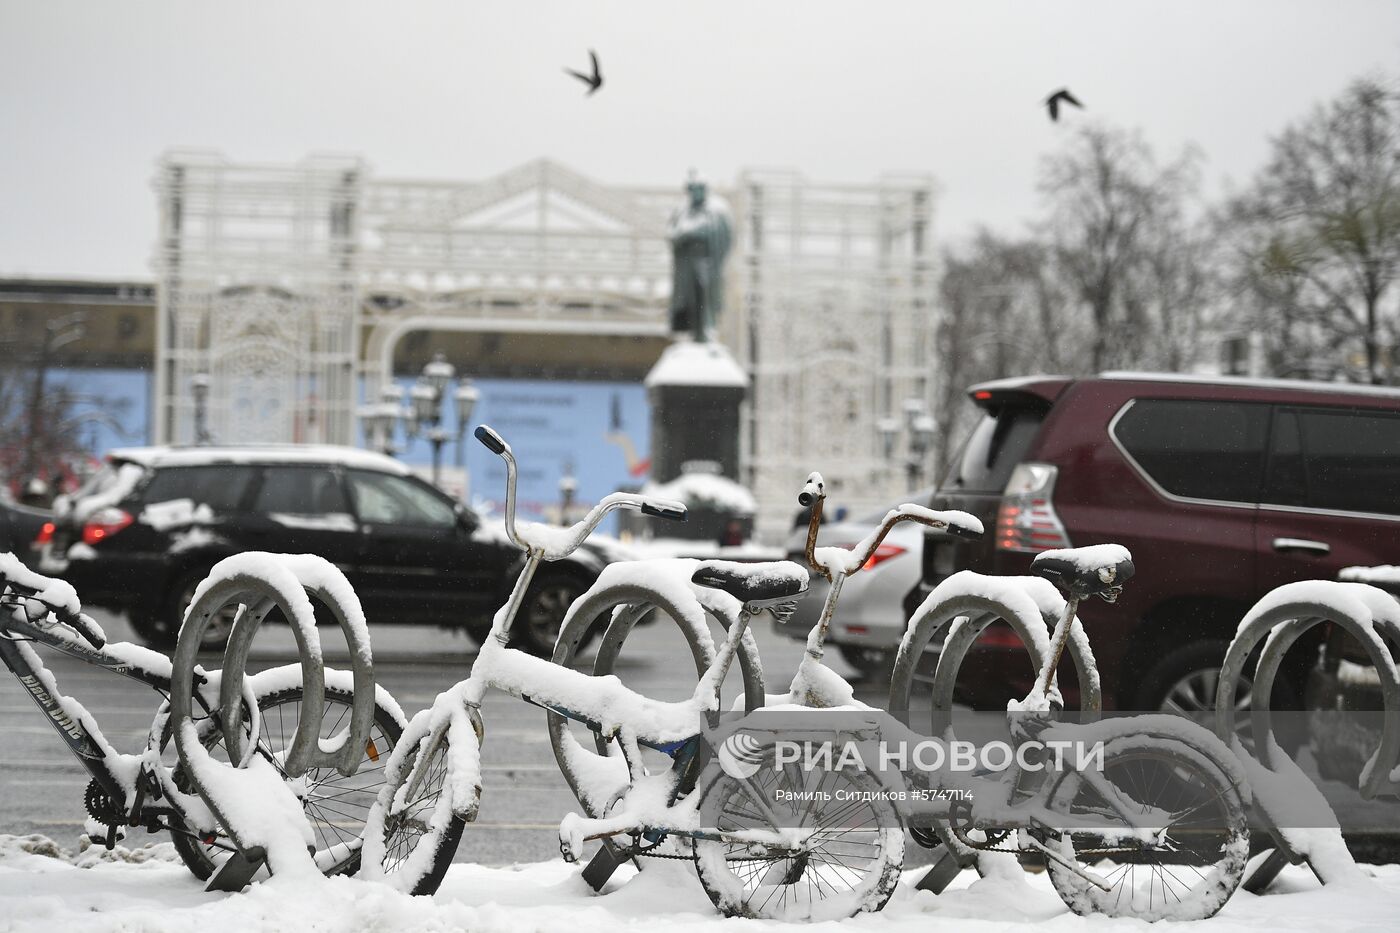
{"x": 289, "y": 583}
{"x": 1287, "y": 797}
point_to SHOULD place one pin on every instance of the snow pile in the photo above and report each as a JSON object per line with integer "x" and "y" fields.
{"x": 686, "y": 363}
{"x": 331, "y": 521}
{"x": 128, "y": 476}
{"x": 1089, "y": 557}
{"x": 706, "y": 489}
{"x": 1386, "y": 576}
{"x": 175, "y": 513}
{"x": 40, "y": 894}
{"x": 58, "y": 593}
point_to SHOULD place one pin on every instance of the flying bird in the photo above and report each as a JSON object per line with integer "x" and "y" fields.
{"x": 595, "y": 80}
{"x": 1053, "y": 102}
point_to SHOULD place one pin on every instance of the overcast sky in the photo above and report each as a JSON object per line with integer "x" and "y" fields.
{"x": 92, "y": 93}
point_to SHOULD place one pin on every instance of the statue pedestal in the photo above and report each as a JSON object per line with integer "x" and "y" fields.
{"x": 695, "y": 391}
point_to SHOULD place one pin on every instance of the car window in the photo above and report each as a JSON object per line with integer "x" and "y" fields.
{"x": 219, "y": 486}
{"x": 300, "y": 491}
{"x": 1340, "y": 459}
{"x": 394, "y": 500}
{"x": 997, "y": 443}
{"x": 1198, "y": 449}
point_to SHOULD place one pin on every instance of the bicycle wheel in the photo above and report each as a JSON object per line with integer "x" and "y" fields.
{"x": 1197, "y": 858}
{"x": 417, "y": 843}
{"x": 850, "y": 862}
{"x": 596, "y": 774}
{"x": 336, "y": 806}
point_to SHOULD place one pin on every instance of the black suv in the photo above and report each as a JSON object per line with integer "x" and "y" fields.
{"x": 140, "y": 535}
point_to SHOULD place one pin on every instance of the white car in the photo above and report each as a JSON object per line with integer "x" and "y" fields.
{"x": 876, "y": 602}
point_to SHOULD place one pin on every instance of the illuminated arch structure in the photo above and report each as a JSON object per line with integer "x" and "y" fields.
{"x": 289, "y": 284}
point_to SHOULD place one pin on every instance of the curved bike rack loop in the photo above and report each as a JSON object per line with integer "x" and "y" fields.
{"x": 1279, "y": 628}
{"x": 256, "y": 593}
{"x": 979, "y": 611}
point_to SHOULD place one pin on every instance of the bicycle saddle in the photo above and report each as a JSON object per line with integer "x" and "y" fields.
{"x": 757, "y": 585}
{"x": 1081, "y": 572}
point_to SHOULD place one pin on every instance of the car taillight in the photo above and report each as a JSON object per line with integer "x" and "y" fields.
{"x": 45, "y": 534}
{"x": 882, "y": 553}
{"x": 105, "y": 523}
{"x": 999, "y": 635}
{"x": 1027, "y": 519}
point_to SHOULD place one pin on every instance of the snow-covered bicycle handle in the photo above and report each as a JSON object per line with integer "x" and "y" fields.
{"x": 77, "y": 620}
{"x": 554, "y": 543}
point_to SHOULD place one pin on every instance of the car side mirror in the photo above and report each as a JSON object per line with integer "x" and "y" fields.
{"x": 467, "y": 520}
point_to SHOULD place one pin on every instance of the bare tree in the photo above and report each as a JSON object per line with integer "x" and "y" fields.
{"x": 1003, "y": 315}
{"x": 1317, "y": 239}
{"x": 1118, "y": 232}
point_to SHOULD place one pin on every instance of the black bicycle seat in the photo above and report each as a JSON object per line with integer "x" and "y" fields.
{"x": 1081, "y": 572}
{"x": 755, "y": 584}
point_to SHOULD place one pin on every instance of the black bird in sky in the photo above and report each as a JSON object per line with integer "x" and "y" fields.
{"x": 595, "y": 80}
{"x": 1053, "y": 102}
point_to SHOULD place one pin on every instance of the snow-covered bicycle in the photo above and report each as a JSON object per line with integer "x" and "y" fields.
{"x": 434, "y": 778}
{"x": 148, "y": 789}
{"x": 1157, "y": 830}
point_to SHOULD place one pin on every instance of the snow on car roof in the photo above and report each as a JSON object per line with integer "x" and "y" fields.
{"x": 263, "y": 453}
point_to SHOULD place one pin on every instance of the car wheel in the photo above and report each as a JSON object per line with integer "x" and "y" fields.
{"x": 536, "y": 628}
{"x": 871, "y": 663}
{"x": 173, "y": 616}
{"x": 1185, "y": 681}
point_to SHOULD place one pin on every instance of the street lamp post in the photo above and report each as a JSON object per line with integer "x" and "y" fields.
{"x": 423, "y": 414}
{"x": 199, "y": 386}
{"x": 568, "y": 486}
{"x": 918, "y": 427}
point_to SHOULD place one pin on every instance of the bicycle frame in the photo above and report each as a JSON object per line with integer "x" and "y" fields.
{"x": 675, "y": 728}
{"x": 128, "y": 788}
{"x": 1018, "y": 798}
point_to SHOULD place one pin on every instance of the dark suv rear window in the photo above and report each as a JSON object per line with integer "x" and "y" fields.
{"x": 1339, "y": 459}
{"x": 998, "y": 442}
{"x": 219, "y": 486}
{"x": 1198, "y": 449}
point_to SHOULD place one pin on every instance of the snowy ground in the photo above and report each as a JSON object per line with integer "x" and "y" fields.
{"x": 44, "y": 889}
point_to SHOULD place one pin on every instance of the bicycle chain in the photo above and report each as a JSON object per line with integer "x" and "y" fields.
{"x": 635, "y": 852}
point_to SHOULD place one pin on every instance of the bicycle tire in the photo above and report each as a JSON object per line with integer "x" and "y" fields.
{"x": 853, "y": 870}
{"x": 357, "y": 792}
{"x": 411, "y": 860}
{"x": 1219, "y": 842}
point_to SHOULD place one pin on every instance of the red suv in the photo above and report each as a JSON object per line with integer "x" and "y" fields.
{"x": 1222, "y": 489}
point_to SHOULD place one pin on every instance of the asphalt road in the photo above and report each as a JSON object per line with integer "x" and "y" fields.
{"x": 525, "y": 795}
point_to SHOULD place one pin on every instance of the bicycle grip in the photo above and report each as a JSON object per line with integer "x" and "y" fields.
{"x": 490, "y": 439}
{"x": 657, "y": 511}
{"x": 79, "y": 622}
{"x": 812, "y": 491}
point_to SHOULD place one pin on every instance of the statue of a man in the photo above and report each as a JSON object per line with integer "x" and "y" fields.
{"x": 699, "y": 233}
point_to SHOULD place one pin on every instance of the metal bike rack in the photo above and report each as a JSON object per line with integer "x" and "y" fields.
{"x": 1279, "y": 628}
{"x": 255, "y": 597}
{"x": 627, "y": 605}
{"x": 977, "y": 612}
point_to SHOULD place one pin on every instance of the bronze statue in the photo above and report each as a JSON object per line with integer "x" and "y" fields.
{"x": 699, "y": 234}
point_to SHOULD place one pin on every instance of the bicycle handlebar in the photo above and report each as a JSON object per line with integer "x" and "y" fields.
{"x": 554, "y": 543}
{"x": 79, "y": 622}
{"x": 813, "y": 494}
